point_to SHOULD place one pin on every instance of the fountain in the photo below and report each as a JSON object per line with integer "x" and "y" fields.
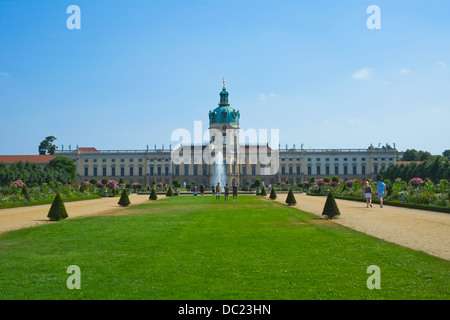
{"x": 220, "y": 174}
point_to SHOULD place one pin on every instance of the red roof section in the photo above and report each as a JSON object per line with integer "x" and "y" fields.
{"x": 39, "y": 159}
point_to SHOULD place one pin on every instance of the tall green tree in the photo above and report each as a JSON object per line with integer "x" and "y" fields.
{"x": 61, "y": 169}
{"x": 446, "y": 154}
{"x": 47, "y": 146}
{"x": 410, "y": 155}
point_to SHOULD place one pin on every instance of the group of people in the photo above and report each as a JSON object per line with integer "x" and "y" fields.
{"x": 217, "y": 191}
{"x": 381, "y": 191}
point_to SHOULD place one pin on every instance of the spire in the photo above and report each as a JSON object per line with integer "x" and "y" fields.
{"x": 224, "y": 95}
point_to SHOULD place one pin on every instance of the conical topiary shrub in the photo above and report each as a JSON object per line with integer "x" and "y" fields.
{"x": 124, "y": 200}
{"x": 153, "y": 195}
{"x": 290, "y": 199}
{"x": 169, "y": 192}
{"x": 330, "y": 209}
{"x": 263, "y": 191}
{"x": 273, "y": 194}
{"x": 57, "y": 210}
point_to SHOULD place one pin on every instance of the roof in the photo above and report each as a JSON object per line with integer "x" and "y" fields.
{"x": 88, "y": 149}
{"x": 224, "y": 114}
{"x": 39, "y": 159}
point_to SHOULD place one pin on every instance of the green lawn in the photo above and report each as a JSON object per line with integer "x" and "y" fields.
{"x": 198, "y": 248}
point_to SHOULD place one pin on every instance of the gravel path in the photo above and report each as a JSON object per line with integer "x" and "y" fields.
{"x": 17, "y": 218}
{"x": 421, "y": 230}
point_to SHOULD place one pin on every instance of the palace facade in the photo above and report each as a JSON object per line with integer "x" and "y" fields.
{"x": 242, "y": 164}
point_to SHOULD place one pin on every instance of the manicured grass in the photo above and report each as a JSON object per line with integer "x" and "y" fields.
{"x": 199, "y": 248}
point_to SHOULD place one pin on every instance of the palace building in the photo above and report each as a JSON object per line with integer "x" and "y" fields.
{"x": 233, "y": 163}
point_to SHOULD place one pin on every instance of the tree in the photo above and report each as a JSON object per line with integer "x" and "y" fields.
{"x": 424, "y": 155}
{"x": 257, "y": 183}
{"x": 446, "y": 154}
{"x": 169, "y": 192}
{"x": 290, "y": 199}
{"x": 61, "y": 169}
{"x": 153, "y": 195}
{"x": 176, "y": 183}
{"x": 273, "y": 195}
{"x": 410, "y": 155}
{"x": 263, "y": 191}
{"x": 57, "y": 210}
{"x": 124, "y": 200}
{"x": 47, "y": 146}
{"x": 330, "y": 209}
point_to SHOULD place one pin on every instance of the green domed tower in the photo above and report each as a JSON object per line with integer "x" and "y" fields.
{"x": 221, "y": 119}
{"x": 224, "y": 117}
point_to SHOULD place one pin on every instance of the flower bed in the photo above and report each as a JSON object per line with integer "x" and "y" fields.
{"x": 416, "y": 193}
{"x": 18, "y": 194}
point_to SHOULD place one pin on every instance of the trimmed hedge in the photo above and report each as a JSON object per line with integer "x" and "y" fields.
{"x": 290, "y": 199}
{"x": 330, "y": 209}
{"x": 124, "y": 200}
{"x": 57, "y": 210}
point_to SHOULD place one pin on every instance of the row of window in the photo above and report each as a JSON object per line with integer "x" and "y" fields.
{"x": 131, "y": 160}
{"x": 284, "y": 171}
{"x": 336, "y": 159}
{"x": 337, "y": 171}
{"x": 123, "y": 160}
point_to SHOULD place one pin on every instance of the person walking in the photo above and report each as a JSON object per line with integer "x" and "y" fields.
{"x": 213, "y": 189}
{"x": 381, "y": 189}
{"x": 368, "y": 194}
{"x": 218, "y": 190}
{"x": 227, "y": 192}
{"x": 202, "y": 189}
{"x": 235, "y": 192}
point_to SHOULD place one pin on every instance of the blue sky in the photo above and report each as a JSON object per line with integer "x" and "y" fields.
{"x": 138, "y": 70}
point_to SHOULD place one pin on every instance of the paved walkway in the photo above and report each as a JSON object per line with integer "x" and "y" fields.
{"x": 421, "y": 230}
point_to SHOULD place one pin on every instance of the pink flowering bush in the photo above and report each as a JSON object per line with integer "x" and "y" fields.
{"x": 349, "y": 183}
{"x": 112, "y": 184}
{"x": 18, "y": 183}
{"x": 416, "y": 182}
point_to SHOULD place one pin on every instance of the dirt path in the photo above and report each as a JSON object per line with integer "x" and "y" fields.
{"x": 421, "y": 230}
{"x": 17, "y": 218}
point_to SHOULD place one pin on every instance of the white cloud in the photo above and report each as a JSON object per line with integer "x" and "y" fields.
{"x": 5, "y": 74}
{"x": 405, "y": 70}
{"x": 356, "y": 121}
{"x": 363, "y": 74}
{"x": 265, "y": 97}
{"x": 441, "y": 64}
